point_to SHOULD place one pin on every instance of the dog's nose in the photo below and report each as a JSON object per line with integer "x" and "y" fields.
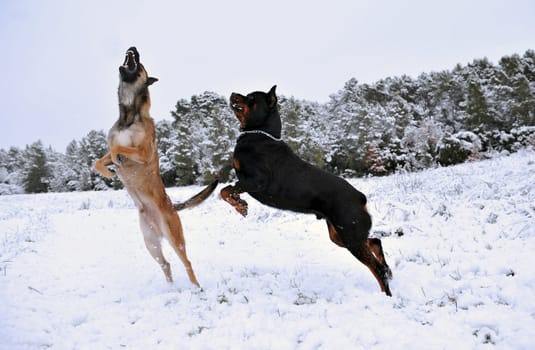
{"x": 235, "y": 97}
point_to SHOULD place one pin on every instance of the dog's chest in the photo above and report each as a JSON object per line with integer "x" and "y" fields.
{"x": 130, "y": 137}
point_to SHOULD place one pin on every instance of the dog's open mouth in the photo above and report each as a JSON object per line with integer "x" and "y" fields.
{"x": 237, "y": 102}
{"x": 240, "y": 108}
{"x": 130, "y": 67}
{"x": 236, "y": 107}
{"x": 130, "y": 62}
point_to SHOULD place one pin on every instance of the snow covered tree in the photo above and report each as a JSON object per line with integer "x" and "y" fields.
{"x": 11, "y": 169}
{"x": 182, "y": 148}
{"x": 302, "y": 129}
{"x": 374, "y": 160}
{"x": 60, "y": 172}
{"x": 166, "y": 136}
{"x": 73, "y": 169}
{"x": 477, "y": 108}
{"x": 224, "y": 133}
{"x": 346, "y": 112}
{"x": 207, "y": 132}
{"x": 397, "y": 122}
{"x": 421, "y": 143}
{"x": 290, "y": 111}
{"x": 36, "y": 173}
{"x": 12, "y": 164}
{"x": 523, "y": 103}
{"x": 92, "y": 147}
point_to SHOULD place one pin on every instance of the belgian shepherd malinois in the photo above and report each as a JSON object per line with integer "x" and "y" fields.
{"x": 133, "y": 153}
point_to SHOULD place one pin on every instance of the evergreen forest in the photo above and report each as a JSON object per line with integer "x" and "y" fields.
{"x": 395, "y": 124}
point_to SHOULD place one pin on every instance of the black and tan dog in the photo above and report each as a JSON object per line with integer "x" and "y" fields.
{"x": 134, "y": 155}
{"x": 270, "y": 172}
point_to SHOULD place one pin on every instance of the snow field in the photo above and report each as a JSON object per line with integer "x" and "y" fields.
{"x": 75, "y": 274}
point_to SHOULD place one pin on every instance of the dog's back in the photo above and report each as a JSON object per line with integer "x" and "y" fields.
{"x": 293, "y": 184}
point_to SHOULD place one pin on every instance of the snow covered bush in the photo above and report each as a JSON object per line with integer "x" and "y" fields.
{"x": 458, "y": 148}
{"x": 508, "y": 140}
{"x": 524, "y": 136}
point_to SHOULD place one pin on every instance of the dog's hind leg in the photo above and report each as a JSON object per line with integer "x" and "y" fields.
{"x": 354, "y": 234}
{"x": 333, "y": 235}
{"x": 381, "y": 272}
{"x": 364, "y": 254}
{"x": 377, "y": 250}
{"x": 154, "y": 246}
{"x": 175, "y": 237}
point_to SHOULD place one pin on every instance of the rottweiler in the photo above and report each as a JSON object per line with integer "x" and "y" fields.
{"x": 273, "y": 174}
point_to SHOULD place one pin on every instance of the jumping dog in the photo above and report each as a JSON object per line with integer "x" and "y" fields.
{"x": 270, "y": 172}
{"x": 133, "y": 153}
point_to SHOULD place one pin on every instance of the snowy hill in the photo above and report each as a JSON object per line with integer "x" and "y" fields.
{"x": 74, "y": 272}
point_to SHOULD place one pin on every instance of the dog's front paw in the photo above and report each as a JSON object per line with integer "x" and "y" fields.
{"x": 241, "y": 207}
{"x": 108, "y": 173}
{"x": 232, "y": 197}
{"x": 104, "y": 170}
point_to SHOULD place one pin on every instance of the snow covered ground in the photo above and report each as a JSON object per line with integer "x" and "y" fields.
{"x": 74, "y": 272}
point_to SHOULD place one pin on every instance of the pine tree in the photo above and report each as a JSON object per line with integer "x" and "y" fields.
{"x": 166, "y": 136}
{"x": 91, "y": 148}
{"x": 291, "y": 117}
{"x": 207, "y": 132}
{"x": 364, "y": 128}
{"x": 15, "y": 167}
{"x": 314, "y": 131}
{"x": 36, "y": 172}
{"x": 477, "y": 108}
{"x": 302, "y": 130}
{"x": 182, "y": 147}
{"x": 223, "y": 135}
{"x": 523, "y": 106}
{"x": 59, "y": 170}
{"x": 346, "y": 111}
{"x": 75, "y": 168}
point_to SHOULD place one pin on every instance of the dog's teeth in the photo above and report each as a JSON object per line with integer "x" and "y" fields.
{"x": 237, "y": 107}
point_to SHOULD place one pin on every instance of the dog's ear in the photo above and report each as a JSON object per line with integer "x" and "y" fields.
{"x": 272, "y": 97}
{"x": 151, "y": 80}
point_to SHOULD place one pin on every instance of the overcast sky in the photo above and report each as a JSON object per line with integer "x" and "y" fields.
{"x": 60, "y": 58}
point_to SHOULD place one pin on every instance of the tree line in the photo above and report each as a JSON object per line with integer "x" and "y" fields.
{"x": 437, "y": 118}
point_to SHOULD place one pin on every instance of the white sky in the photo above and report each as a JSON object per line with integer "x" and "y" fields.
{"x": 60, "y": 58}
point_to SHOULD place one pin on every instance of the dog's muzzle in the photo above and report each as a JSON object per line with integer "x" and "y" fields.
{"x": 130, "y": 62}
{"x": 236, "y": 107}
{"x": 130, "y": 68}
{"x": 236, "y": 102}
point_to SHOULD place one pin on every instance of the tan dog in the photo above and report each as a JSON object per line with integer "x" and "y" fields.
{"x": 134, "y": 153}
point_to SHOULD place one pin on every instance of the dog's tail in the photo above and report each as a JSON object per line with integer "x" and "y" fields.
{"x": 198, "y": 198}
